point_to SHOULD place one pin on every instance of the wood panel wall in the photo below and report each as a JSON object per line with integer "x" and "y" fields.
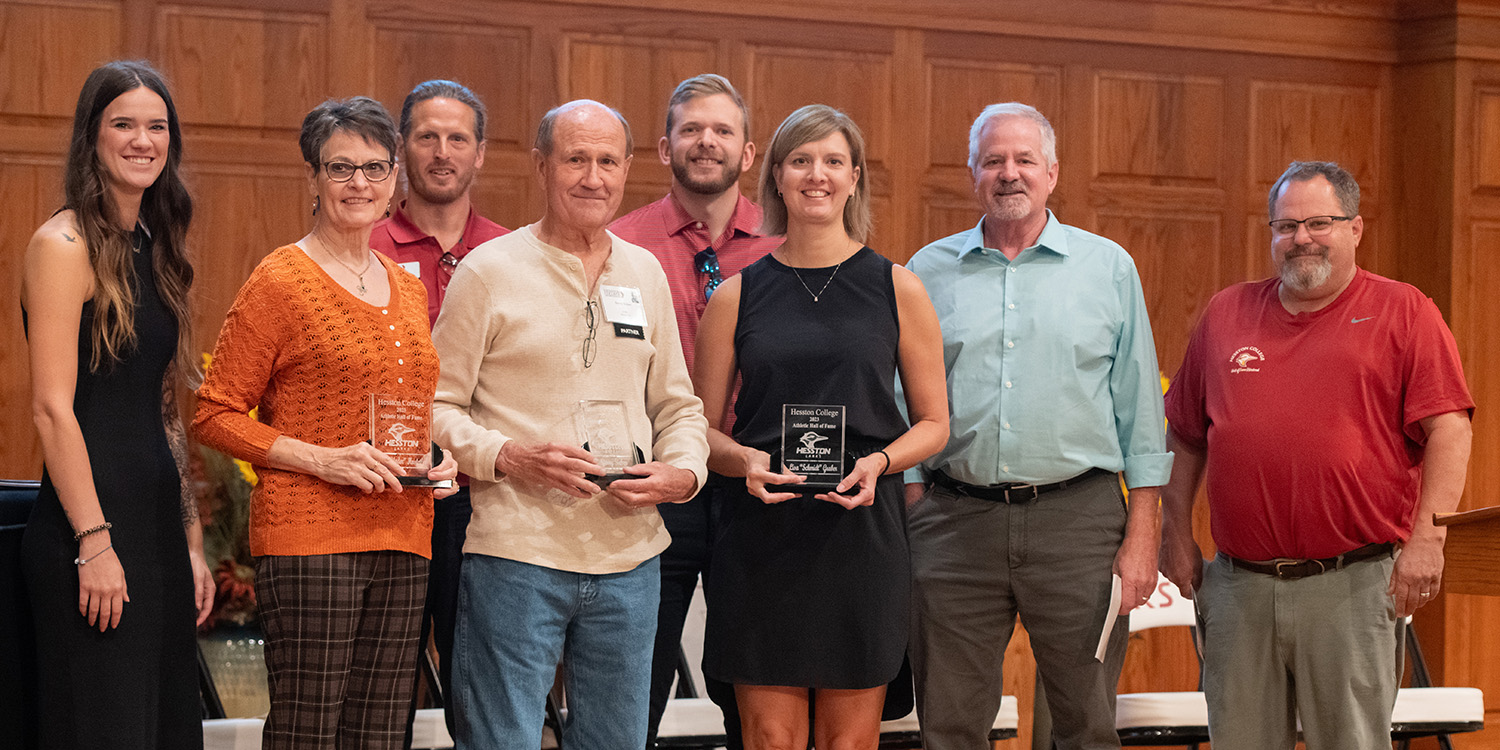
{"x": 1174, "y": 116}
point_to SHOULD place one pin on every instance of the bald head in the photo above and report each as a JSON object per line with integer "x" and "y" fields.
{"x": 582, "y": 159}
{"x": 585, "y": 112}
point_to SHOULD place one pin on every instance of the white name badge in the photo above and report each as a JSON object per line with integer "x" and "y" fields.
{"x": 414, "y": 268}
{"x": 623, "y": 304}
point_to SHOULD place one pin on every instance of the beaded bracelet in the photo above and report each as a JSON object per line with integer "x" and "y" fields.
{"x": 80, "y": 562}
{"x": 106, "y": 526}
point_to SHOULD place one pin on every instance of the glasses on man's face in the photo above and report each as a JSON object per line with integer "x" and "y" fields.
{"x": 590, "y": 344}
{"x": 707, "y": 262}
{"x": 343, "y": 171}
{"x": 1317, "y": 226}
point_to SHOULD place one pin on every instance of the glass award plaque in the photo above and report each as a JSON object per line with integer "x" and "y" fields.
{"x": 604, "y": 430}
{"x": 402, "y": 429}
{"x": 812, "y": 444}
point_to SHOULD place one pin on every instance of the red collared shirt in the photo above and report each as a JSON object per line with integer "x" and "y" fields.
{"x": 676, "y": 238}
{"x": 421, "y": 255}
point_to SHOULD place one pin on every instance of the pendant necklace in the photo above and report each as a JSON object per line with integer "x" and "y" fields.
{"x": 816, "y": 296}
{"x": 360, "y": 274}
{"x": 819, "y": 293}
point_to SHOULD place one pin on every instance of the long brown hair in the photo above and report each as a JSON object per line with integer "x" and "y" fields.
{"x": 166, "y": 210}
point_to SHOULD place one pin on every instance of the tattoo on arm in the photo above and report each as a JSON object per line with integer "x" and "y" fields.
{"x": 67, "y": 237}
{"x": 171, "y": 418}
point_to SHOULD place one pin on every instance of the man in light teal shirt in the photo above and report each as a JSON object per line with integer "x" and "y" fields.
{"x": 1054, "y": 390}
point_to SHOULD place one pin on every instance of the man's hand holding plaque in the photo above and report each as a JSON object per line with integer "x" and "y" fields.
{"x": 604, "y": 428}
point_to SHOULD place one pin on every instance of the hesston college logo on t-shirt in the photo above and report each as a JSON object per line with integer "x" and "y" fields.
{"x": 1245, "y": 359}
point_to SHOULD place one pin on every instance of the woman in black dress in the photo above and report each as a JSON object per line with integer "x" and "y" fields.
{"x": 114, "y": 551}
{"x": 811, "y": 589}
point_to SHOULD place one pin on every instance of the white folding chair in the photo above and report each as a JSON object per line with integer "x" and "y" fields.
{"x": 1426, "y": 711}
{"x": 232, "y": 734}
{"x": 1421, "y": 710}
{"x": 428, "y": 732}
{"x": 691, "y": 724}
{"x": 1178, "y": 718}
{"x": 691, "y": 721}
{"x": 905, "y": 732}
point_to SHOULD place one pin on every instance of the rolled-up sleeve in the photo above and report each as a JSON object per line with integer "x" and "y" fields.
{"x": 1135, "y": 385}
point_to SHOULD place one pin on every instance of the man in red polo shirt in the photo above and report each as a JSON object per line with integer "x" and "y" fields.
{"x": 703, "y": 232}
{"x": 1328, "y": 407}
{"x": 429, "y": 233}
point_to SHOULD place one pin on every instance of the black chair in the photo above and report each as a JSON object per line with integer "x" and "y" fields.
{"x": 18, "y": 709}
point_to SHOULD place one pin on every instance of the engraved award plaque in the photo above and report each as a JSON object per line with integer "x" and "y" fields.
{"x": 402, "y": 429}
{"x": 604, "y": 430}
{"x": 812, "y": 444}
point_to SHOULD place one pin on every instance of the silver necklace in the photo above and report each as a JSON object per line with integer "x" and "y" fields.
{"x": 819, "y": 293}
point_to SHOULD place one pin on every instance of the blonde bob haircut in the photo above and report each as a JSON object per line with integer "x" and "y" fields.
{"x": 814, "y": 123}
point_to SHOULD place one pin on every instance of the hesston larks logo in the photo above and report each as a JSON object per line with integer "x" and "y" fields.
{"x": 398, "y": 433}
{"x": 1245, "y": 359}
{"x": 810, "y": 445}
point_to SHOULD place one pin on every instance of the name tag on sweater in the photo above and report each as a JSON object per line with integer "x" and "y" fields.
{"x": 623, "y": 305}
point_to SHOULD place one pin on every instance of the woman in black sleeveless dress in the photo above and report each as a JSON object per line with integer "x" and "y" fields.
{"x": 811, "y": 589}
{"x": 113, "y": 552}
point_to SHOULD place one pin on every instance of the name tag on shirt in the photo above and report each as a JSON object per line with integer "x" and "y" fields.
{"x": 414, "y": 268}
{"x": 624, "y": 308}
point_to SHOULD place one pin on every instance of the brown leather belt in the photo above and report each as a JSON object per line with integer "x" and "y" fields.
{"x": 1012, "y": 493}
{"x": 1290, "y": 569}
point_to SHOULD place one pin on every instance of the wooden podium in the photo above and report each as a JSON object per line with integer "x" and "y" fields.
{"x": 1472, "y": 554}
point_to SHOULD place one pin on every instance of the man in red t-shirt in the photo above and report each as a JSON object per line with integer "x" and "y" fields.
{"x": 429, "y": 233}
{"x": 1329, "y": 409}
{"x": 703, "y": 232}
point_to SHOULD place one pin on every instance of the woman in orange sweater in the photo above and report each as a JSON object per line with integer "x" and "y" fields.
{"x": 322, "y": 328}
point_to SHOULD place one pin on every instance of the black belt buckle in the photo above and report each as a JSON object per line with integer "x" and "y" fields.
{"x": 1291, "y": 570}
{"x": 1025, "y": 493}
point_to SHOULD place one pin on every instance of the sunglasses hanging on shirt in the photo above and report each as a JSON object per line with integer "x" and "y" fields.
{"x": 707, "y": 262}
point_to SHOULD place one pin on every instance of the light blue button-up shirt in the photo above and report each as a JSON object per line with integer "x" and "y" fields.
{"x": 1050, "y": 362}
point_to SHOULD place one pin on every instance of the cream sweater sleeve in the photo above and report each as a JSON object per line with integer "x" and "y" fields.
{"x": 679, "y": 431}
{"x": 462, "y": 336}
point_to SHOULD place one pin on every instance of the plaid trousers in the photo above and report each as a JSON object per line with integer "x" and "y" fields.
{"x": 341, "y": 644}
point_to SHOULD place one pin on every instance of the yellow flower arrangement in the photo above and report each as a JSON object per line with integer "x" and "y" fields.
{"x": 247, "y": 472}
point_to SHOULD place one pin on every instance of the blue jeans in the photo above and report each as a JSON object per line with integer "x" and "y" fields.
{"x": 516, "y": 620}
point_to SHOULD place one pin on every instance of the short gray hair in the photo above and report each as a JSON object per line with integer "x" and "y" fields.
{"x": 1013, "y": 109}
{"x": 358, "y": 115}
{"x": 1345, "y": 187}
{"x": 549, "y": 122}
